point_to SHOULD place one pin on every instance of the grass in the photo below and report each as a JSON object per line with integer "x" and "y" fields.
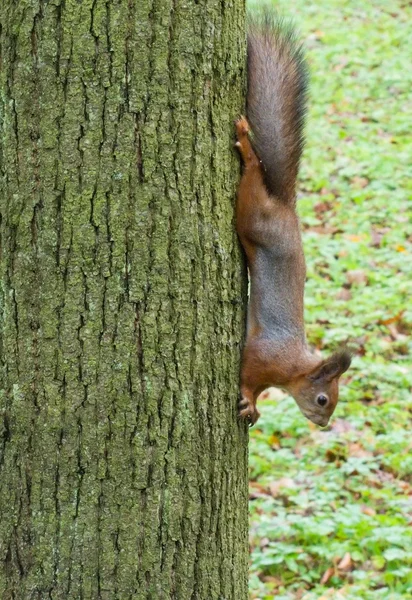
{"x": 331, "y": 510}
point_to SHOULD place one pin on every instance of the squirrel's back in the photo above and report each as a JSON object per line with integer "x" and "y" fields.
{"x": 276, "y": 100}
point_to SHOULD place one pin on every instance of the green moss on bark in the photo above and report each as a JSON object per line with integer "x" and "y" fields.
{"x": 123, "y": 469}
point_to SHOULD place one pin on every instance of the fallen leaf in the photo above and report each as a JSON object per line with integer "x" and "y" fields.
{"x": 359, "y": 182}
{"x": 357, "y": 276}
{"x": 377, "y": 236}
{"x": 341, "y": 426}
{"x": 393, "y": 319}
{"x": 322, "y": 207}
{"x": 283, "y": 482}
{"x": 396, "y": 336}
{"x": 346, "y": 563}
{"x": 357, "y": 450}
{"x": 274, "y": 581}
{"x": 344, "y": 294}
{"x": 323, "y": 229}
{"x": 327, "y": 575}
{"x": 257, "y": 490}
{"x": 332, "y": 456}
{"x": 274, "y": 442}
{"x": 318, "y": 34}
{"x": 367, "y": 510}
{"x": 404, "y": 485}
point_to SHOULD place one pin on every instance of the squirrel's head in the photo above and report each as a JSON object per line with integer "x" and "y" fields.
{"x": 317, "y": 392}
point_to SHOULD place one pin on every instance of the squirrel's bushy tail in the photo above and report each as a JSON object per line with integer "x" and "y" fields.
{"x": 276, "y": 100}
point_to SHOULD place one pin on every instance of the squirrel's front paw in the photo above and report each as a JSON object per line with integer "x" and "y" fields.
{"x": 248, "y": 411}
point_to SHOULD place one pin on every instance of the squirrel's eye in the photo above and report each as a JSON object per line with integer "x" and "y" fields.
{"x": 322, "y": 400}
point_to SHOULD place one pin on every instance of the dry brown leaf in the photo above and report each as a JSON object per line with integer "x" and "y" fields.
{"x": 341, "y": 426}
{"x": 357, "y": 276}
{"x": 322, "y": 207}
{"x": 274, "y": 581}
{"x": 393, "y": 319}
{"x": 257, "y": 490}
{"x": 359, "y": 451}
{"x": 327, "y": 575}
{"x": 395, "y": 335}
{"x": 404, "y": 485}
{"x": 377, "y": 236}
{"x": 346, "y": 563}
{"x": 344, "y": 294}
{"x": 283, "y": 482}
{"x": 323, "y": 229}
{"x": 359, "y": 182}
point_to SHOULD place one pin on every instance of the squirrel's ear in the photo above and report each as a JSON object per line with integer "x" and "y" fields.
{"x": 332, "y": 367}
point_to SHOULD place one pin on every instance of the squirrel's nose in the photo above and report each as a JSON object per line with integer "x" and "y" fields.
{"x": 318, "y": 420}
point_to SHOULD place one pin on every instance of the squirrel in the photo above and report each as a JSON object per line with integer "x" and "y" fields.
{"x": 276, "y": 352}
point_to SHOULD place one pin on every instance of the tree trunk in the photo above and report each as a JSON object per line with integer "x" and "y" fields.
{"x": 123, "y": 467}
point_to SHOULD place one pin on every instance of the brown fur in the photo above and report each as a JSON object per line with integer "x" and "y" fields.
{"x": 276, "y": 100}
{"x": 276, "y": 352}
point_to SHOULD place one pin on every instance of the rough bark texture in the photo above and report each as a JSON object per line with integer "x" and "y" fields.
{"x": 123, "y": 467}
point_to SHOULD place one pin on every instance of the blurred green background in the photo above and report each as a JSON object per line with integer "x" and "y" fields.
{"x": 331, "y": 510}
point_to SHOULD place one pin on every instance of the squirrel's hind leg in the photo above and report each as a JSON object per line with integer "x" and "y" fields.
{"x": 243, "y": 143}
{"x": 247, "y": 406}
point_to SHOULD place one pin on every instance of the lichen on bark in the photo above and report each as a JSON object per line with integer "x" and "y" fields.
{"x": 123, "y": 468}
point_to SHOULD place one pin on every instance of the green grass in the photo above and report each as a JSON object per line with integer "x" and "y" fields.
{"x": 331, "y": 511}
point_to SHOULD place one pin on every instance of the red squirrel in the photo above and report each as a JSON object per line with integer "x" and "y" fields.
{"x": 276, "y": 352}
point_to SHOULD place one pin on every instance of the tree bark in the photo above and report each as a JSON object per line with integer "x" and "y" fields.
{"x": 123, "y": 468}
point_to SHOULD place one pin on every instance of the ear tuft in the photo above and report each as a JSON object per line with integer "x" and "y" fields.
{"x": 343, "y": 358}
{"x": 333, "y": 366}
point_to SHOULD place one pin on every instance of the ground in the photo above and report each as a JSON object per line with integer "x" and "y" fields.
{"x": 331, "y": 510}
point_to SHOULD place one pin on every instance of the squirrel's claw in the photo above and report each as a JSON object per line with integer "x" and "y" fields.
{"x": 242, "y": 126}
